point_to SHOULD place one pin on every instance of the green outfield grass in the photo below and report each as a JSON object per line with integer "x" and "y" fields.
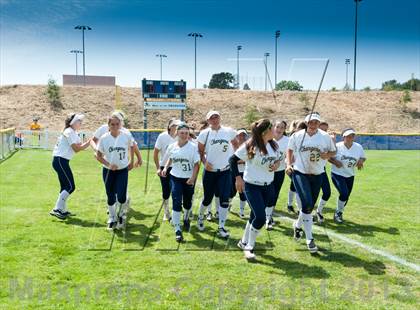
{"x": 75, "y": 264}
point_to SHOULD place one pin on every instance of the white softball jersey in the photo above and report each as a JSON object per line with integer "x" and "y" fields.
{"x": 307, "y": 155}
{"x": 282, "y": 143}
{"x": 162, "y": 143}
{"x": 183, "y": 159}
{"x": 63, "y": 147}
{"x": 115, "y": 149}
{"x": 348, "y": 157}
{"x": 257, "y": 170}
{"x": 218, "y": 146}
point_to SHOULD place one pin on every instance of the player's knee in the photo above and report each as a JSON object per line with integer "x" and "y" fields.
{"x": 71, "y": 188}
{"x": 122, "y": 198}
{"x": 111, "y": 200}
{"x": 258, "y": 222}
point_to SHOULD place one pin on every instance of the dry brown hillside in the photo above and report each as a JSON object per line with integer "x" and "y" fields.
{"x": 373, "y": 111}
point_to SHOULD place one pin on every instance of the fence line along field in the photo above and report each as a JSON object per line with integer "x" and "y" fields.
{"x": 76, "y": 263}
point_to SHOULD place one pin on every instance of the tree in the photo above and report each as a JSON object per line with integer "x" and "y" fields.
{"x": 222, "y": 80}
{"x": 246, "y": 87}
{"x": 289, "y": 85}
{"x": 391, "y": 85}
{"x": 53, "y": 93}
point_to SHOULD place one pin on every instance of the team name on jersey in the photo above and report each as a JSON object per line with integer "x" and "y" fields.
{"x": 117, "y": 148}
{"x": 180, "y": 160}
{"x": 282, "y": 155}
{"x": 267, "y": 159}
{"x": 218, "y": 141}
{"x": 309, "y": 148}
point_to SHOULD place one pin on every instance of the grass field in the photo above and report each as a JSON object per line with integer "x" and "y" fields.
{"x": 51, "y": 264}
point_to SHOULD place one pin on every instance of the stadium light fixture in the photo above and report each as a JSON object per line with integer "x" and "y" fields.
{"x": 238, "y": 48}
{"x": 355, "y": 44}
{"x": 277, "y": 36}
{"x": 161, "y": 56}
{"x": 266, "y": 70}
{"x": 195, "y": 35}
{"x": 75, "y": 52}
{"x": 83, "y": 28}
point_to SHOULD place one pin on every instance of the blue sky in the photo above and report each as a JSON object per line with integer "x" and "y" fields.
{"x": 36, "y": 37}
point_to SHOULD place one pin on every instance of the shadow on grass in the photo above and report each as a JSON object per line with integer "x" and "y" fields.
{"x": 80, "y": 222}
{"x": 374, "y": 267}
{"x": 349, "y": 227}
{"x": 292, "y": 268}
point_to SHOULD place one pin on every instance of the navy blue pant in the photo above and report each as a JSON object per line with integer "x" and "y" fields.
{"x": 308, "y": 187}
{"x": 181, "y": 193}
{"x": 165, "y": 182}
{"x": 115, "y": 184}
{"x": 65, "y": 176}
{"x": 233, "y": 193}
{"x": 343, "y": 185}
{"x": 217, "y": 182}
{"x": 277, "y": 184}
{"x": 326, "y": 188}
{"x": 259, "y": 197}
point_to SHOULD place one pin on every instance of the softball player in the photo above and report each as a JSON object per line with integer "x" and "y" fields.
{"x": 67, "y": 145}
{"x": 114, "y": 151}
{"x": 215, "y": 147}
{"x": 184, "y": 158}
{"x": 325, "y": 187}
{"x": 350, "y": 154}
{"x": 310, "y": 149}
{"x": 163, "y": 141}
{"x": 279, "y": 135}
{"x": 261, "y": 160}
{"x": 241, "y": 137}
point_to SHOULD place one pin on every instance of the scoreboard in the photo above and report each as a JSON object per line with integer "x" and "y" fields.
{"x": 164, "y": 89}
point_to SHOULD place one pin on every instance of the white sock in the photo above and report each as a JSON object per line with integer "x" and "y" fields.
{"x": 307, "y": 225}
{"x": 242, "y": 205}
{"x": 125, "y": 206}
{"x": 298, "y": 202}
{"x": 299, "y": 221}
{"x": 166, "y": 205}
{"x": 176, "y": 218}
{"x": 112, "y": 213}
{"x": 222, "y": 216}
{"x": 290, "y": 197}
{"x": 186, "y": 214}
{"x": 216, "y": 203}
{"x": 340, "y": 206}
{"x": 321, "y": 205}
{"x": 61, "y": 201}
{"x": 253, "y": 233}
{"x": 245, "y": 236}
{"x": 268, "y": 213}
{"x": 202, "y": 208}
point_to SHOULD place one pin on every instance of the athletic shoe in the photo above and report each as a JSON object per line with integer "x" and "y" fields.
{"x": 297, "y": 233}
{"x": 178, "y": 236}
{"x": 338, "y": 217}
{"x": 187, "y": 225}
{"x": 269, "y": 224}
{"x": 58, "y": 214}
{"x": 68, "y": 213}
{"x": 241, "y": 214}
{"x": 249, "y": 254}
{"x": 111, "y": 225}
{"x": 209, "y": 216}
{"x": 291, "y": 209}
{"x": 200, "y": 223}
{"x": 312, "y": 246}
{"x": 320, "y": 217}
{"x": 216, "y": 215}
{"x": 241, "y": 245}
{"x": 223, "y": 233}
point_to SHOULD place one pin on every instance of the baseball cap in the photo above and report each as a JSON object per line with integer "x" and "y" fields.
{"x": 241, "y": 130}
{"x": 313, "y": 116}
{"x": 173, "y": 122}
{"x": 348, "y": 132}
{"x": 211, "y": 113}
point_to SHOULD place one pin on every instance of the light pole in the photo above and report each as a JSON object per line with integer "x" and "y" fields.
{"x": 161, "y": 56}
{"x": 355, "y": 45}
{"x": 195, "y": 35}
{"x": 83, "y": 28}
{"x": 75, "y": 52}
{"x": 238, "y": 48}
{"x": 347, "y": 62}
{"x": 277, "y": 35}
{"x": 266, "y": 70}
